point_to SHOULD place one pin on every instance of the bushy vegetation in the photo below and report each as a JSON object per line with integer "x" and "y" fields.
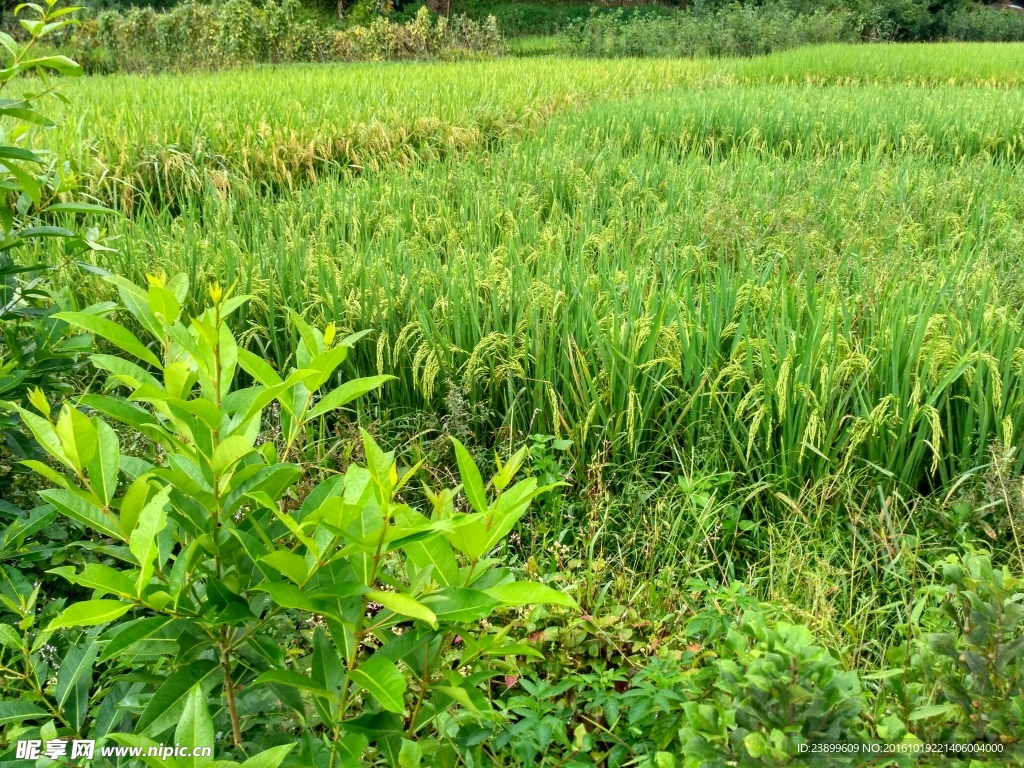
{"x": 193, "y": 35}
{"x": 215, "y": 36}
{"x": 518, "y": 19}
{"x": 751, "y": 29}
{"x": 732, "y": 31}
{"x": 559, "y": 413}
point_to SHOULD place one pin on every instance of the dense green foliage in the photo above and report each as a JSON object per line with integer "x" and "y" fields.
{"x": 750, "y": 29}
{"x": 516, "y": 19}
{"x": 215, "y": 561}
{"x": 35, "y": 348}
{"x": 227, "y": 33}
{"x": 199, "y": 36}
{"x": 748, "y": 330}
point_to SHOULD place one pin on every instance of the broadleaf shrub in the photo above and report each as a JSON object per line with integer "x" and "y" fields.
{"x": 212, "y": 548}
{"x": 36, "y": 350}
{"x": 764, "y": 690}
{"x": 976, "y": 662}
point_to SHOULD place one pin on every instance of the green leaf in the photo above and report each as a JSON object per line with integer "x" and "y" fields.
{"x": 44, "y": 434}
{"x": 26, "y": 180}
{"x": 460, "y": 605}
{"x": 99, "y": 576}
{"x": 195, "y": 729}
{"x": 19, "y": 153}
{"x": 435, "y": 552}
{"x": 104, "y": 467}
{"x": 8, "y": 637}
{"x": 117, "y": 335}
{"x": 510, "y": 506}
{"x": 74, "y": 681}
{"x": 326, "y": 671}
{"x": 346, "y": 393}
{"x": 61, "y": 64}
{"x": 167, "y": 703}
{"x": 79, "y": 208}
{"x": 143, "y": 540}
{"x": 89, "y": 613}
{"x": 404, "y": 605}
{"x": 134, "y": 500}
{"x": 292, "y": 680}
{"x": 258, "y": 368}
{"x": 410, "y": 755}
{"x": 472, "y": 482}
{"x": 78, "y": 437}
{"x": 16, "y": 711}
{"x": 77, "y": 508}
{"x": 935, "y": 710}
{"x": 529, "y": 593}
{"x": 131, "y": 634}
{"x": 288, "y": 596}
{"x": 270, "y": 758}
{"x": 382, "y": 678}
{"x": 229, "y": 452}
{"x": 350, "y": 748}
{"x": 288, "y": 563}
{"x": 461, "y": 695}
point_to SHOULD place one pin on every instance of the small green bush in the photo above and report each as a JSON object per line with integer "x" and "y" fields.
{"x": 977, "y": 661}
{"x": 406, "y": 610}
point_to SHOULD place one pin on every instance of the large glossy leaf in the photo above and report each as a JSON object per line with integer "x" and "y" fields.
{"x": 529, "y": 593}
{"x": 472, "y": 482}
{"x": 346, "y": 393}
{"x": 327, "y": 670}
{"x": 382, "y": 678}
{"x": 459, "y": 605}
{"x": 116, "y": 334}
{"x": 131, "y": 634}
{"x": 288, "y": 563}
{"x": 78, "y": 436}
{"x": 437, "y": 553}
{"x": 143, "y": 541}
{"x": 350, "y": 748}
{"x": 73, "y": 682}
{"x": 270, "y": 758}
{"x": 16, "y": 711}
{"x": 105, "y": 464}
{"x": 292, "y": 680}
{"x": 44, "y": 434}
{"x": 167, "y": 703}
{"x": 195, "y": 729}
{"x": 89, "y": 613}
{"x": 404, "y": 605}
{"x": 100, "y": 577}
{"x": 77, "y": 508}
{"x": 289, "y": 596}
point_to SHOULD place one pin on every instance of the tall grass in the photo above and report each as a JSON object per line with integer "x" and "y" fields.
{"x": 713, "y": 270}
{"x": 154, "y": 140}
{"x": 997, "y": 64}
{"x": 142, "y": 141}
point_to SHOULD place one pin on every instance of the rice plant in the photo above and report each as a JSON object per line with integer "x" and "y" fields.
{"x": 774, "y": 304}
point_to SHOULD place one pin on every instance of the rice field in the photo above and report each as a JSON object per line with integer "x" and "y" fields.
{"x": 801, "y": 273}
